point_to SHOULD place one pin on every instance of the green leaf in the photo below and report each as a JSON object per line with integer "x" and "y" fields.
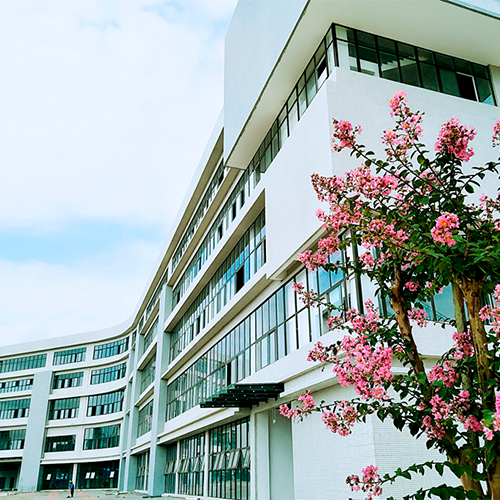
{"x": 472, "y": 494}
{"x": 469, "y": 188}
{"x": 440, "y": 469}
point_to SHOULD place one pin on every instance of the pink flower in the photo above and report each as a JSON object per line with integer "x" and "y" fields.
{"x": 496, "y": 134}
{"x": 413, "y": 287}
{"x": 345, "y": 134}
{"x": 445, "y": 373}
{"x": 454, "y": 140}
{"x": 419, "y": 316}
{"x": 464, "y": 346}
{"x": 442, "y": 231}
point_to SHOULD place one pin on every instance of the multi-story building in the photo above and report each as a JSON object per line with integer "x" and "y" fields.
{"x": 183, "y": 397}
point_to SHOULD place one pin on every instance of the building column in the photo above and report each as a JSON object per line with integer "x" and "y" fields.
{"x": 129, "y": 472}
{"x": 259, "y": 449}
{"x": 35, "y": 433}
{"x": 157, "y": 455}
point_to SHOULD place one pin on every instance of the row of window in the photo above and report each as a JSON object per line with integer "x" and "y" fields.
{"x": 228, "y": 463}
{"x": 17, "y": 408}
{"x": 148, "y": 374}
{"x": 145, "y": 419}
{"x": 101, "y": 404}
{"x": 100, "y": 376}
{"x": 244, "y": 261}
{"x": 156, "y": 295}
{"x": 280, "y": 325}
{"x": 219, "y": 227}
{"x": 150, "y": 336}
{"x": 108, "y": 374}
{"x": 12, "y": 440}
{"x": 24, "y": 363}
{"x": 400, "y": 62}
{"x": 111, "y": 349}
{"x": 205, "y": 203}
{"x": 16, "y": 385}
{"x": 71, "y": 356}
{"x": 98, "y": 475}
{"x": 65, "y": 380}
{"x": 96, "y": 438}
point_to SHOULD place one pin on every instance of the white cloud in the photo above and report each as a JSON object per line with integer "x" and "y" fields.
{"x": 104, "y": 113}
{"x": 105, "y": 109}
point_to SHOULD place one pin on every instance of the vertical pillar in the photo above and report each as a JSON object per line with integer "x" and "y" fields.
{"x": 35, "y": 432}
{"x": 259, "y": 448}
{"x": 495, "y": 81}
{"x": 129, "y": 472}
{"x": 74, "y": 476}
{"x": 206, "y": 464}
{"x": 157, "y": 455}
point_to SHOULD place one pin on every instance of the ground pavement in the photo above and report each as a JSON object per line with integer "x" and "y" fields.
{"x": 79, "y": 495}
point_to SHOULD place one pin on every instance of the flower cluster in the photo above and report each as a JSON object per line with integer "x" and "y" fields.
{"x": 368, "y": 369}
{"x": 443, "y": 412}
{"x": 454, "y": 139}
{"x": 445, "y": 374}
{"x": 442, "y": 231}
{"x": 306, "y": 408}
{"x": 308, "y": 298}
{"x": 345, "y": 133}
{"x": 413, "y": 287}
{"x": 363, "y": 181}
{"x": 492, "y": 314}
{"x": 319, "y": 353}
{"x": 369, "y": 484}
{"x": 419, "y": 316}
{"x": 341, "y": 421}
{"x": 463, "y": 345}
{"x": 496, "y": 134}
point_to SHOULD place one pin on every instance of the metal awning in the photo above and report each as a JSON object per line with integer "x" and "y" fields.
{"x": 243, "y": 395}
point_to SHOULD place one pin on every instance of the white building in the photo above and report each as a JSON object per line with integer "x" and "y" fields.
{"x": 156, "y": 404}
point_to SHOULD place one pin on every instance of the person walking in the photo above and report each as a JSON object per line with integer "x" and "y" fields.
{"x": 71, "y": 489}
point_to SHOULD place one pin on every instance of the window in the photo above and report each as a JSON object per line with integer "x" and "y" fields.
{"x": 17, "y": 408}
{"x": 231, "y": 207}
{"x": 280, "y": 325}
{"x": 59, "y": 443}
{"x": 16, "y": 385}
{"x": 249, "y": 255}
{"x": 12, "y": 440}
{"x": 65, "y": 380}
{"x": 26, "y": 363}
{"x": 148, "y": 374}
{"x": 229, "y": 461}
{"x": 205, "y": 203}
{"x": 103, "y": 404}
{"x": 170, "y": 463}
{"x": 141, "y": 480}
{"x": 98, "y": 438}
{"x": 150, "y": 336}
{"x": 97, "y": 475}
{"x": 64, "y": 408}
{"x": 145, "y": 419}
{"x": 110, "y": 349}
{"x": 72, "y": 356}
{"x": 400, "y": 62}
{"x": 108, "y": 374}
{"x": 191, "y": 465}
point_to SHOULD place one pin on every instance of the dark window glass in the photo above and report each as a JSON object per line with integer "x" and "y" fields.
{"x": 429, "y": 76}
{"x": 449, "y": 82}
{"x": 466, "y": 87}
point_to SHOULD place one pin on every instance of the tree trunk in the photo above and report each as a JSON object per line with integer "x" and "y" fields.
{"x": 463, "y": 454}
{"x": 471, "y": 289}
{"x": 399, "y": 307}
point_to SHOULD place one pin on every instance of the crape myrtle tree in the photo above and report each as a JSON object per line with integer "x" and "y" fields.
{"x": 417, "y": 230}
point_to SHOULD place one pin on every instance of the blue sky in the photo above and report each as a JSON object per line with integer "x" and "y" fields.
{"x": 105, "y": 109}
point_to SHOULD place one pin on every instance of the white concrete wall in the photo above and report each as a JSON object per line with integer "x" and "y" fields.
{"x": 256, "y": 36}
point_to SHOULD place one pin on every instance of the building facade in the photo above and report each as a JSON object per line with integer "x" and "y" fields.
{"x": 182, "y": 398}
